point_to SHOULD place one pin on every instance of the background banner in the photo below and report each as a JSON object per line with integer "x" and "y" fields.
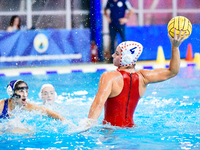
{"x": 64, "y": 47}
{"x": 157, "y": 35}
{"x": 44, "y": 47}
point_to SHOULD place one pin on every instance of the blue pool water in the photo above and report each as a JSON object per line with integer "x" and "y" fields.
{"x": 167, "y": 116}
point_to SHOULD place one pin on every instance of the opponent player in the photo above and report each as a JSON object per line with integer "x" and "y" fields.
{"x": 48, "y": 94}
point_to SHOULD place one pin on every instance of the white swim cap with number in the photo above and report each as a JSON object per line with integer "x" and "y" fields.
{"x": 130, "y": 52}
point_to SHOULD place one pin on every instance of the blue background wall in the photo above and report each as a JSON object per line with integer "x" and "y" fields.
{"x": 61, "y": 42}
{"x": 77, "y": 41}
{"x": 153, "y": 36}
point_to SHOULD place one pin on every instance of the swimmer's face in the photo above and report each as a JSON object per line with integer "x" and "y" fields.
{"x": 22, "y": 94}
{"x": 16, "y": 21}
{"x": 116, "y": 57}
{"x": 48, "y": 95}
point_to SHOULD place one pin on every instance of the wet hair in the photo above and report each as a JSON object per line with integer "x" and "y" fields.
{"x": 13, "y": 19}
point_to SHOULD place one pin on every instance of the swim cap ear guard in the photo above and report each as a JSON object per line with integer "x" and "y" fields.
{"x": 11, "y": 87}
{"x": 130, "y": 52}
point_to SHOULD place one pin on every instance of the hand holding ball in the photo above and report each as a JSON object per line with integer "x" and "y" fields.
{"x": 180, "y": 23}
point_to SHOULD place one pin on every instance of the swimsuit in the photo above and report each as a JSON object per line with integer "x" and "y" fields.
{"x": 4, "y": 114}
{"x": 119, "y": 110}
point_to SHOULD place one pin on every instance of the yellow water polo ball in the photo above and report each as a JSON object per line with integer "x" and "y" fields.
{"x": 179, "y": 22}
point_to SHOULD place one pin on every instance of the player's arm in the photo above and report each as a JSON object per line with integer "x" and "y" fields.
{"x": 104, "y": 91}
{"x": 130, "y": 11}
{"x": 130, "y": 8}
{"x": 107, "y": 16}
{"x": 45, "y": 110}
{"x": 157, "y": 75}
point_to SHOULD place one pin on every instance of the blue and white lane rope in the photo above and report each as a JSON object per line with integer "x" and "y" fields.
{"x": 83, "y": 69}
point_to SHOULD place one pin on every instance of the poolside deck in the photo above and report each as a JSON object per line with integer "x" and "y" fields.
{"x": 89, "y": 67}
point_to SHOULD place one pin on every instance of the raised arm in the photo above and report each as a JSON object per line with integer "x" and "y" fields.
{"x": 50, "y": 113}
{"x": 104, "y": 91}
{"x": 157, "y": 75}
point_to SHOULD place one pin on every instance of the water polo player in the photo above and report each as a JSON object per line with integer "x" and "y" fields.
{"x": 119, "y": 91}
{"x": 48, "y": 94}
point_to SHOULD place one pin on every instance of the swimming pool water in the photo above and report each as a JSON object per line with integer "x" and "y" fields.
{"x": 167, "y": 116}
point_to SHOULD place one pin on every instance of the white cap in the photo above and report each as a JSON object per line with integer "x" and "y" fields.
{"x": 44, "y": 86}
{"x": 130, "y": 52}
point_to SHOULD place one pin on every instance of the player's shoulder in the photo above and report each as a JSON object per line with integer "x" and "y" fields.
{"x": 110, "y": 73}
{"x": 143, "y": 72}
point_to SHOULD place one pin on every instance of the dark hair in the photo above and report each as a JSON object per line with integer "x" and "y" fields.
{"x": 12, "y": 20}
{"x": 18, "y": 83}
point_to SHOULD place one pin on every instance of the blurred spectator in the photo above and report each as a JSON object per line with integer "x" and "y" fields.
{"x": 117, "y": 19}
{"x": 15, "y": 23}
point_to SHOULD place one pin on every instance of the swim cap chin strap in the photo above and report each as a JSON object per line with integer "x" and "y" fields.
{"x": 130, "y": 52}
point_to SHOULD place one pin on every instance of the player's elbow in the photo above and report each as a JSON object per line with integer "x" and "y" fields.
{"x": 173, "y": 71}
{"x": 173, "y": 74}
{"x": 105, "y": 12}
